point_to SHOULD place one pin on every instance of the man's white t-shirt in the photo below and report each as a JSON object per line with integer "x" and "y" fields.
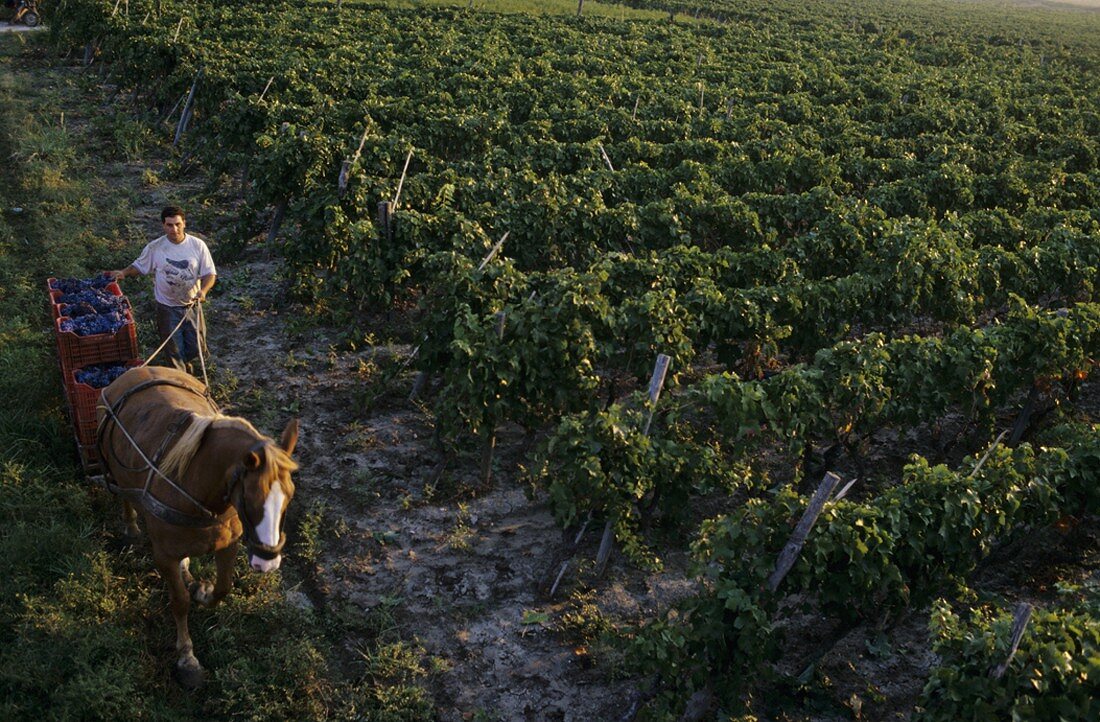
{"x": 177, "y": 268}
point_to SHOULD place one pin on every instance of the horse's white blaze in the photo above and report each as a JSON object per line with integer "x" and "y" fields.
{"x": 267, "y": 531}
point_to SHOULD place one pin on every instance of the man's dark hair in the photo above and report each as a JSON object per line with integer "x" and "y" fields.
{"x": 170, "y": 211}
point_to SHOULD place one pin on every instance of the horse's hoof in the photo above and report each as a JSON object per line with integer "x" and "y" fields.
{"x": 190, "y": 674}
{"x": 201, "y": 593}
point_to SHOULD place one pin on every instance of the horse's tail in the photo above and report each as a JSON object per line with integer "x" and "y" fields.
{"x": 179, "y": 456}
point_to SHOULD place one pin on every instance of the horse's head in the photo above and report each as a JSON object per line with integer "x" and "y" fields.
{"x": 260, "y": 490}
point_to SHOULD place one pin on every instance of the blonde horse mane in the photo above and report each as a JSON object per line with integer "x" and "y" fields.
{"x": 176, "y": 461}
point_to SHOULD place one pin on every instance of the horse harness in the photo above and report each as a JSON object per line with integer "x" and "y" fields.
{"x": 150, "y": 503}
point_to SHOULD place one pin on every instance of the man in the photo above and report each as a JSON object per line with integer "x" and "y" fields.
{"x": 183, "y": 274}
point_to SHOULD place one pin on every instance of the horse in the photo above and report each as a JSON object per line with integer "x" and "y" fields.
{"x": 201, "y": 480}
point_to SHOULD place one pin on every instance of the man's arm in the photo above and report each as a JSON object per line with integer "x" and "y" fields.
{"x": 124, "y": 273}
{"x": 205, "y": 284}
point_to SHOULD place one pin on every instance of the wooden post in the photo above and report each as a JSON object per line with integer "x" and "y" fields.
{"x": 185, "y": 116}
{"x": 345, "y": 169}
{"x": 634, "y": 114}
{"x": 385, "y": 219}
{"x": 580, "y": 6}
{"x": 844, "y": 492}
{"x": 419, "y": 383}
{"x": 176, "y": 35}
{"x": 656, "y": 382}
{"x": 491, "y": 442}
{"x": 1019, "y": 623}
{"x": 988, "y": 451}
{"x": 269, "y": 82}
{"x": 401, "y": 183}
{"x": 794, "y": 545}
{"x": 277, "y": 220}
{"x": 605, "y": 158}
{"x": 342, "y": 181}
{"x": 492, "y": 252}
{"x": 1024, "y": 419}
{"x": 172, "y": 112}
{"x": 565, "y": 564}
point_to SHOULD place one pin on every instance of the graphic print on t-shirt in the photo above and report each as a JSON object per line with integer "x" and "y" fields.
{"x": 179, "y": 274}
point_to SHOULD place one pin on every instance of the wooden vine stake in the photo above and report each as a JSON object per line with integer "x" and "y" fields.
{"x": 385, "y": 219}
{"x": 565, "y": 564}
{"x": 176, "y": 35}
{"x": 1024, "y": 419}
{"x": 188, "y": 109}
{"x": 491, "y": 441}
{"x": 656, "y": 383}
{"x": 277, "y": 220}
{"x": 981, "y": 462}
{"x": 492, "y": 252}
{"x": 269, "y": 82}
{"x": 1019, "y": 624}
{"x": 172, "y": 112}
{"x": 606, "y": 159}
{"x": 345, "y": 169}
{"x": 794, "y": 545}
{"x": 401, "y": 183}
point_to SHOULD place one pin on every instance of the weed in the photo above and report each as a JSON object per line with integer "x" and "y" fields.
{"x": 461, "y": 535}
{"x": 292, "y": 363}
{"x": 308, "y": 545}
{"x": 247, "y": 303}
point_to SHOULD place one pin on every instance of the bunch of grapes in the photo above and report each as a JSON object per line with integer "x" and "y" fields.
{"x": 74, "y": 285}
{"x": 78, "y": 309}
{"x": 101, "y": 375}
{"x": 100, "y": 301}
{"x": 94, "y": 324}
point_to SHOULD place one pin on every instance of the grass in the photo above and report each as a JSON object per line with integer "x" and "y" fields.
{"x": 84, "y": 627}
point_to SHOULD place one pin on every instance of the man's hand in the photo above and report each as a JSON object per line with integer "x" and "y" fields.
{"x": 116, "y": 275}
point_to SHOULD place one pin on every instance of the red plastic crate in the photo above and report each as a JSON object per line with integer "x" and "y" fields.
{"x": 79, "y": 351}
{"x": 83, "y": 400}
{"x": 89, "y": 458}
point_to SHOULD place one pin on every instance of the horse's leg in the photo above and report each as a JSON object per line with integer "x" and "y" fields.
{"x": 185, "y": 572}
{"x": 130, "y": 529}
{"x": 188, "y": 669}
{"x": 209, "y": 596}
